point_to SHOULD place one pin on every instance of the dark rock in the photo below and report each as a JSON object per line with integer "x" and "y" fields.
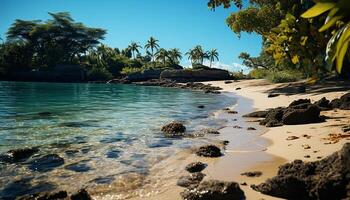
{"x": 46, "y": 163}
{"x": 336, "y": 103}
{"x": 60, "y": 195}
{"x": 195, "y": 75}
{"x": 237, "y": 127}
{"x": 323, "y": 104}
{"x": 190, "y": 181}
{"x": 252, "y": 174}
{"x": 17, "y": 155}
{"x": 81, "y": 195}
{"x": 299, "y": 101}
{"x": 228, "y": 82}
{"x": 174, "y": 129}
{"x": 201, "y": 106}
{"x": 328, "y": 178}
{"x": 271, "y": 95}
{"x": 342, "y": 103}
{"x": 302, "y": 116}
{"x": 251, "y": 129}
{"x": 225, "y": 142}
{"x": 232, "y": 112}
{"x": 257, "y": 114}
{"x": 238, "y": 88}
{"x": 273, "y": 117}
{"x": 209, "y": 151}
{"x": 213, "y": 189}
{"x": 195, "y": 167}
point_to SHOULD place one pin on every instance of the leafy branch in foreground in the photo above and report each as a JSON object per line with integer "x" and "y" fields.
{"x": 337, "y": 18}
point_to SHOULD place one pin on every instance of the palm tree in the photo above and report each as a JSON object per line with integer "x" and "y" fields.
{"x": 197, "y": 55}
{"x": 152, "y": 44}
{"x": 213, "y": 55}
{"x": 162, "y": 55}
{"x": 134, "y": 47}
{"x": 175, "y": 55}
{"x": 200, "y": 53}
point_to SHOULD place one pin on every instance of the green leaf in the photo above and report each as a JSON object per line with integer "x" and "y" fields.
{"x": 330, "y": 22}
{"x": 318, "y": 9}
{"x": 341, "y": 55}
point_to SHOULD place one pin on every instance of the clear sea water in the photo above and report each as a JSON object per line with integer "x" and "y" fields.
{"x": 101, "y": 131}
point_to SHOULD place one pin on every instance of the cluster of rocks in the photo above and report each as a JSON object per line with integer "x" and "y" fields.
{"x": 328, "y": 178}
{"x": 177, "y": 129}
{"x": 197, "y": 189}
{"x": 60, "y": 195}
{"x": 207, "y": 88}
{"x": 300, "y": 111}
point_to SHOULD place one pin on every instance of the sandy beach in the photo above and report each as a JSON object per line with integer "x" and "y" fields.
{"x": 315, "y": 135}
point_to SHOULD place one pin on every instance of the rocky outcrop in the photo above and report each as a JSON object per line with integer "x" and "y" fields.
{"x": 195, "y": 167}
{"x": 325, "y": 179}
{"x": 207, "y": 88}
{"x": 214, "y": 189}
{"x": 196, "y": 75}
{"x": 145, "y": 75}
{"x": 174, "y": 129}
{"x": 209, "y": 151}
{"x": 17, "y": 155}
{"x": 293, "y": 116}
{"x": 252, "y": 174}
{"x": 82, "y": 194}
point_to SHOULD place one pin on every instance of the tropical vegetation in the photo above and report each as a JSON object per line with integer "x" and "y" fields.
{"x": 43, "y": 46}
{"x": 297, "y": 35}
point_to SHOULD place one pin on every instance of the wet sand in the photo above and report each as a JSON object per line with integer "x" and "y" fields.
{"x": 245, "y": 152}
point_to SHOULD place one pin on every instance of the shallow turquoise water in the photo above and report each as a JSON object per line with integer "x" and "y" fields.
{"x": 100, "y": 130}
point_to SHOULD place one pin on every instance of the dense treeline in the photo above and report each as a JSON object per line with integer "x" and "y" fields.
{"x": 41, "y": 46}
{"x": 292, "y": 39}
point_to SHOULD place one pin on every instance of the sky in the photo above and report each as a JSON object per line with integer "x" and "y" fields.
{"x": 179, "y": 24}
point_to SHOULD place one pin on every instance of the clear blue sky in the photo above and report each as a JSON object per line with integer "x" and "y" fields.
{"x": 175, "y": 23}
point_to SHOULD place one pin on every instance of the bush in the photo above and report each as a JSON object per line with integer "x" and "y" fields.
{"x": 238, "y": 75}
{"x": 99, "y": 74}
{"x": 258, "y": 73}
{"x": 130, "y": 70}
{"x": 284, "y": 76}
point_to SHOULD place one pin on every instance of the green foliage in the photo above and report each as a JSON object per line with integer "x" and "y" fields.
{"x": 99, "y": 74}
{"x": 131, "y": 70}
{"x": 338, "y": 19}
{"x": 58, "y": 40}
{"x": 284, "y": 76}
{"x": 258, "y": 73}
{"x": 239, "y": 75}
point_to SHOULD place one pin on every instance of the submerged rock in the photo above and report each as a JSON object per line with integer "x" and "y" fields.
{"x": 213, "y": 189}
{"x": 174, "y": 129}
{"x": 201, "y": 106}
{"x": 209, "y": 151}
{"x": 46, "y": 163}
{"x": 190, "y": 181}
{"x": 328, "y": 178}
{"x": 195, "y": 167}
{"x": 17, "y": 155}
{"x": 81, "y": 195}
{"x": 60, "y": 195}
